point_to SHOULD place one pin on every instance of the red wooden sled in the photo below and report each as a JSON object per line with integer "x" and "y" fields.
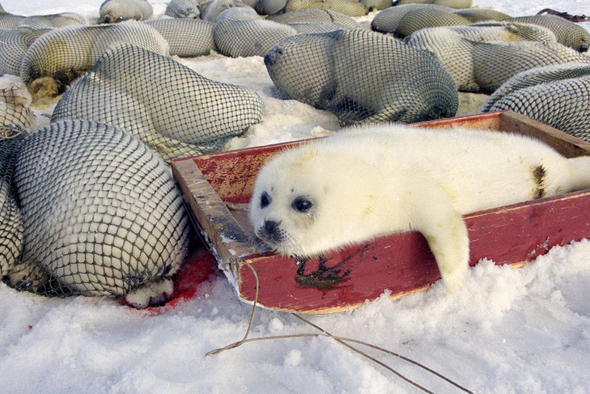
{"x": 217, "y": 188}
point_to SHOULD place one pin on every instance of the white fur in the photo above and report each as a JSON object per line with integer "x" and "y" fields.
{"x": 21, "y": 94}
{"x": 155, "y": 293}
{"x": 375, "y": 180}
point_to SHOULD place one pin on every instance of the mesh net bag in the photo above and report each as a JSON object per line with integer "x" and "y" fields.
{"x": 495, "y": 63}
{"x": 115, "y": 11}
{"x": 314, "y": 16}
{"x": 216, "y": 7}
{"x": 15, "y": 121}
{"x": 556, "y": 95}
{"x": 362, "y": 77}
{"x": 102, "y": 214}
{"x": 537, "y": 76}
{"x": 52, "y": 21}
{"x": 563, "y": 104}
{"x": 186, "y": 37}
{"x": 13, "y": 46}
{"x": 14, "y": 104}
{"x": 317, "y": 27}
{"x": 568, "y": 33}
{"x": 9, "y": 21}
{"x": 62, "y": 55}
{"x": 387, "y": 20}
{"x": 447, "y": 3}
{"x": 421, "y": 18}
{"x": 11, "y": 221}
{"x": 346, "y": 7}
{"x": 270, "y": 7}
{"x": 183, "y": 9}
{"x": 481, "y": 14}
{"x": 504, "y": 31}
{"x": 130, "y": 32}
{"x": 238, "y": 14}
{"x": 245, "y": 38}
{"x": 454, "y": 52}
{"x": 171, "y": 108}
{"x": 454, "y": 45}
{"x": 376, "y": 5}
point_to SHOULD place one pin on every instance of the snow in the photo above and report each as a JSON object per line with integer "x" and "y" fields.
{"x": 508, "y": 330}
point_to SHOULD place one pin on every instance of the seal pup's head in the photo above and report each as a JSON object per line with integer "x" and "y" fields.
{"x": 321, "y": 196}
{"x": 286, "y": 200}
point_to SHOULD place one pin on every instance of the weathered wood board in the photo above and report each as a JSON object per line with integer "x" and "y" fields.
{"x": 217, "y": 188}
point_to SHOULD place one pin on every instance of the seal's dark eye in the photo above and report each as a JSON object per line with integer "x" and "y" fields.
{"x": 265, "y": 200}
{"x": 302, "y": 204}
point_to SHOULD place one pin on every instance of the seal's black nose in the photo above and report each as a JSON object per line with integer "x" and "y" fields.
{"x": 270, "y": 226}
{"x": 271, "y": 57}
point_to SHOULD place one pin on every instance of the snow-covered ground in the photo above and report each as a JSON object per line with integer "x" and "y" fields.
{"x": 509, "y": 330}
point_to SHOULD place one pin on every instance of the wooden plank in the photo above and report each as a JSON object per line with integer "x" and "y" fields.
{"x": 226, "y": 239}
{"x": 489, "y": 121}
{"x": 567, "y": 145}
{"x": 230, "y": 173}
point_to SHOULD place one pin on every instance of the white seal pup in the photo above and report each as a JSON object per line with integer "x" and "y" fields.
{"x": 374, "y": 180}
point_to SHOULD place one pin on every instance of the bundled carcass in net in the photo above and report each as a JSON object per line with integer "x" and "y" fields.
{"x": 362, "y": 77}
{"x": 16, "y": 120}
{"x": 557, "y": 95}
{"x": 101, "y": 213}
{"x": 171, "y": 108}
{"x": 11, "y": 221}
{"x": 57, "y": 58}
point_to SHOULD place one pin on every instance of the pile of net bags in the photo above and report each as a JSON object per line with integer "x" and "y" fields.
{"x": 86, "y": 209}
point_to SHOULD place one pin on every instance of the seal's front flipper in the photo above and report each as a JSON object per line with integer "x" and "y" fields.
{"x": 446, "y": 234}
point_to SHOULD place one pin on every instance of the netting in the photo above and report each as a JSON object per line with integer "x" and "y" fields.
{"x": 244, "y": 38}
{"x": 270, "y": 7}
{"x": 115, "y": 11}
{"x": 130, "y": 32}
{"x": 183, "y": 9}
{"x": 238, "y": 14}
{"x": 318, "y": 27}
{"x": 556, "y": 95}
{"x": 58, "y": 57}
{"x": 482, "y": 14}
{"x": 429, "y": 15}
{"x": 171, "y": 108}
{"x": 216, "y": 7}
{"x": 362, "y": 77}
{"x": 495, "y": 63}
{"x": 11, "y": 221}
{"x": 387, "y": 20}
{"x": 102, "y": 215}
{"x": 346, "y": 7}
{"x": 454, "y": 45}
{"x": 373, "y": 5}
{"x": 9, "y": 21}
{"x": 504, "y": 31}
{"x": 13, "y": 46}
{"x": 421, "y": 18}
{"x": 14, "y": 104}
{"x": 53, "y": 21}
{"x": 186, "y": 37}
{"x": 562, "y": 104}
{"x": 62, "y": 54}
{"x": 568, "y": 33}
{"x": 446, "y": 3}
{"x": 314, "y": 16}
